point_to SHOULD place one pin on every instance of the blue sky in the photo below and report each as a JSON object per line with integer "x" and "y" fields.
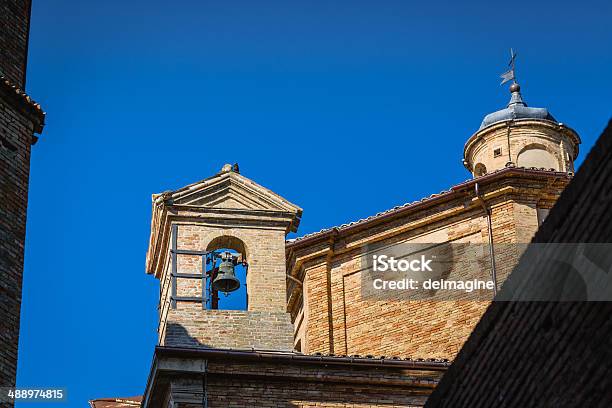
{"x": 344, "y": 108}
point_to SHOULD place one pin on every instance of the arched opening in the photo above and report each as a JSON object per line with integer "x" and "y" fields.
{"x": 536, "y": 155}
{"x": 233, "y": 247}
{"x": 480, "y": 170}
{"x": 228, "y": 242}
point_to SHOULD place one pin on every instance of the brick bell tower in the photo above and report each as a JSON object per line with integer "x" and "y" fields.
{"x": 20, "y": 118}
{"x": 192, "y": 225}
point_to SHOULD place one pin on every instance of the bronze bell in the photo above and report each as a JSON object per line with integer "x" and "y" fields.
{"x": 226, "y": 280}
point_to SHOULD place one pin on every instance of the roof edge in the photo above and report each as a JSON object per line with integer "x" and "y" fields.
{"x": 24, "y": 104}
{"x": 294, "y": 357}
{"x": 487, "y": 178}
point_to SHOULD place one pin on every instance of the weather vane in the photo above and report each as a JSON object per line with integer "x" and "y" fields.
{"x": 509, "y": 75}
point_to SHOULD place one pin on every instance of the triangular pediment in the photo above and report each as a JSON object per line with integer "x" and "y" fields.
{"x": 224, "y": 200}
{"x": 232, "y": 191}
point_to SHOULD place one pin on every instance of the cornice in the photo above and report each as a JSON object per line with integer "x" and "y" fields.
{"x": 23, "y": 103}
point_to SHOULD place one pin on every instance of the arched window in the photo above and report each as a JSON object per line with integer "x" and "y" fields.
{"x": 536, "y": 155}
{"x": 480, "y": 170}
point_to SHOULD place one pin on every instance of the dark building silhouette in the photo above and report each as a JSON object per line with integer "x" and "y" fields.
{"x": 546, "y": 354}
{"x": 20, "y": 118}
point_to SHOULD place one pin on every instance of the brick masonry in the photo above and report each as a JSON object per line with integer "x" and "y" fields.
{"x": 328, "y": 311}
{"x": 226, "y": 211}
{"x": 14, "y": 177}
{"x": 317, "y": 280}
{"x": 14, "y": 32}
{"x": 555, "y": 146}
{"x": 217, "y": 378}
{"x": 20, "y": 118}
{"x": 554, "y": 354}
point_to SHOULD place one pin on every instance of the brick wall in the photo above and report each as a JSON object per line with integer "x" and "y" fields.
{"x": 558, "y": 141}
{"x": 14, "y": 29}
{"x": 557, "y": 354}
{"x": 265, "y": 325}
{"x": 250, "y": 379}
{"x": 19, "y": 119}
{"x": 338, "y": 319}
{"x": 219, "y": 215}
{"x": 15, "y": 135}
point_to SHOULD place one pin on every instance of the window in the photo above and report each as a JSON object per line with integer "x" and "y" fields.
{"x": 480, "y": 170}
{"x": 497, "y": 152}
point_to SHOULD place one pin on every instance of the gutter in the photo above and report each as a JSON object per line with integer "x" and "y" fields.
{"x": 296, "y": 358}
{"x": 487, "y": 212}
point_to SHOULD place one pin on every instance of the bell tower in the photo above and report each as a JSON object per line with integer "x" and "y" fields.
{"x": 200, "y": 235}
{"x": 521, "y": 136}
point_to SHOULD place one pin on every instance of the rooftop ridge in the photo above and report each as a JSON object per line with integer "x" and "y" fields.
{"x": 423, "y": 200}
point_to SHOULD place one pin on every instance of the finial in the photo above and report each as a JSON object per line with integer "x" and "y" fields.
{"x": 516, "y": 98}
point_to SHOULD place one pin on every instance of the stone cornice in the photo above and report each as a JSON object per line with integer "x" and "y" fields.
{"x": 414, "y": 375}
{"x": 23, "y": 103}
{"x": 226, "y": 199}
{"x": 460, "y": 199}
{"x": 503, "y": 175}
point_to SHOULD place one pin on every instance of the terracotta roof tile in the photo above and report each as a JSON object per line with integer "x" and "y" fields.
{"x": 422, "y": 200}
{"x": 24, "y": 101}
{"x": 116, "y": 402}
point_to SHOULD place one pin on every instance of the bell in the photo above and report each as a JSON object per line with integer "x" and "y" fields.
{"x": 226, "y": 280}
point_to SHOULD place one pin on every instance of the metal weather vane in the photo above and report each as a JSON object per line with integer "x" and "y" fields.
{"x": 510, "y": 74}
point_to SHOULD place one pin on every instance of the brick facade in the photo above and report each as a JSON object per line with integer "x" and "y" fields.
{"x": 555, "y": 146}
{"x": 226, "y": 211}
{"x": 20, "y": 118}
{"x": 190, "y": 378}
{"x": 554, "y": 354}
{"x": 310, "y": 336}
{"x": 14, "y": 32}
{"x": 322, "y": 294}
{"x": 328, "y": 311}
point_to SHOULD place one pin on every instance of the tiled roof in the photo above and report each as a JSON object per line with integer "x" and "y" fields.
{"x": 24, "y": 101}
{"x": 396, "y": 209}
{"x": 443, "y": 361}
{"x": 297, "y": 357}
{"x": 116, "y": 402}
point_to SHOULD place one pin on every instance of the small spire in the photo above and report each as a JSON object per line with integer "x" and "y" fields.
{"x": 516, "y": 98}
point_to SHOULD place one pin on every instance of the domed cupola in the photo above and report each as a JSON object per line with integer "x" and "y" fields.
{"x": 516, "y": 109}
{"x": 519, "y": 135}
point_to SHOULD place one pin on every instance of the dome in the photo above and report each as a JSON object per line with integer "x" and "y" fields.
{"x": 520, "y": 136}
{"x": 517, "y": 109}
